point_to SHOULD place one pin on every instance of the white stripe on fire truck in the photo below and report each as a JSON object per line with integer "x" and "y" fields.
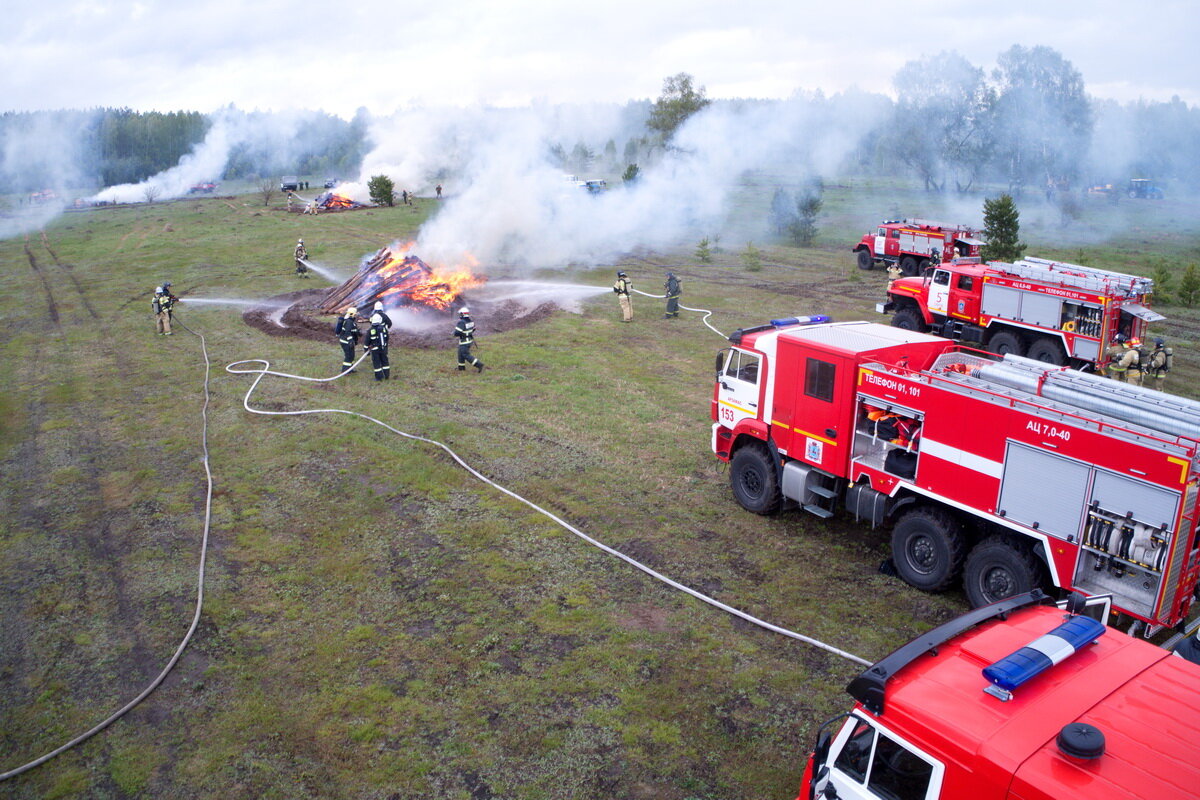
{"x": 964, "y": 459}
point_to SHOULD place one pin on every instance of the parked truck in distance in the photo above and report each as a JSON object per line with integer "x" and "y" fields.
{"x": 1051, "y": 311}
{"x": 912, "y": 245}
{"x": 999, "y": 474}
{"x": 1015, "y": 701}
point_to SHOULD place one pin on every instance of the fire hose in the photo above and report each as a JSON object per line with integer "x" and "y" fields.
{"x": 706, "y": 312}
{"x": 262, "y": 372}
{"x": 154, "y": 684}
{"x": 265, "y": 370}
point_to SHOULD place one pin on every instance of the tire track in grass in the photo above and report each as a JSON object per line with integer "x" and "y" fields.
{"x": 52, "y": 306}
{"x": 69, "y": 269}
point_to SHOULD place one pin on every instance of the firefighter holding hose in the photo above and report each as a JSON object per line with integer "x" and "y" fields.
{"x": 301, "y": 255}
{"x": 673, "y": 292}
{"x": 163, "y": 305}
{"x": 465, "y": 331}
{"x": 348, "y": 335}
{"x": 621, "y": 288}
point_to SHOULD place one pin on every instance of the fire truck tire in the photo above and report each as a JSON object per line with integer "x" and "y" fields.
{"x": 928, "y": 549}
{"x": 755, "y": 480}
{"x": 1005, "y": 342}
{"x": 908, "y": 318}
{"x": 996, "y": 569}
{"x": 865, "y": 261}
{"x": 908, "y": 266}
{"x": 1047, "y": 351}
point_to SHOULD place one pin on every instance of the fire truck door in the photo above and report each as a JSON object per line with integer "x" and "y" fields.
{"x": 737, "y": 392}
{"x": 869, "y": 764}
{"x": 939, "y": 291}
{"x": 881, "y": 242}
{"x": 822, "y": 429}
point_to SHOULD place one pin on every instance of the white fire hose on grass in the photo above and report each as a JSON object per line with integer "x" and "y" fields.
{"x": 261, "y": 373}
{"x": 706, "y": 312}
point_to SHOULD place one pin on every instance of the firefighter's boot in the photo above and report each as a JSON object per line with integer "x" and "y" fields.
{"x": 479, "y": 366}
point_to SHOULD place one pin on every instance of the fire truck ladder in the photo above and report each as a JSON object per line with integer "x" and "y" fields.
{"x": 1102, "y": 281}
{"x": 928, "y": 223}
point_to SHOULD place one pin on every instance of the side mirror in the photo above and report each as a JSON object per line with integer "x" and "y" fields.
{"x": 720, "y": 362}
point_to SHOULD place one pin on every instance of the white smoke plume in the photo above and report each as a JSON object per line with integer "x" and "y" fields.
{"x": 508, "y": 205}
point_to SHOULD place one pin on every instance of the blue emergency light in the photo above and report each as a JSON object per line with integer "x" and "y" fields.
{"x": 1039, "y": 655}
{"x": 812, "y": 319}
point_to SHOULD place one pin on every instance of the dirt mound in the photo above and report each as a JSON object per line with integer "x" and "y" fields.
{"x": 297, "y": 314}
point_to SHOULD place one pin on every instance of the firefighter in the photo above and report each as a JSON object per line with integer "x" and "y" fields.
{"x": 291, "y": 201}
{"x": 379, "y": 310}
{"x": 301, "y": 255}
{"x": 1159, "y": 363}
{"x": 161, "y": 305}
{"x": 1126, "y": 367}
{"x": 377, "y": 343}
{"x": 621, "y": 288}
{"x": 348, "y": 335}
{"x": 1112, "y": 355}
{"x": 673, "y": 292}
{"x": 465, "y": 331}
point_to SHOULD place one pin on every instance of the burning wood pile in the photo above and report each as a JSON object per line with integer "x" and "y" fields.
{"x": 332, "y": 201}
{"x": 398, "y": 280}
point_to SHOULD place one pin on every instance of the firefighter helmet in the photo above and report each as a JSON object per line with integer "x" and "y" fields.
{"x": 379, "y": 305}
{"x": 1135, "y": 342}
{"x": 1159, "y": 342}
{"x": 351, "y": 311}
{"x": 462, "y": 312}
{"x": 1119, "y": 338}
{"x": 376, "y": 319}
{"x": 158, "y": 290}
{"x": 620, "y": 273}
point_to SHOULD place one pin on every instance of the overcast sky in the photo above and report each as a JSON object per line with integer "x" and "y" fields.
{"x": 338, "y": 55}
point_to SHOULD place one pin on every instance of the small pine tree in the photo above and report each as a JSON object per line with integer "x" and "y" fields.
{"x": 703, "y": 251}
{"x": 382, "y": 190}
{"x": 1163, "y": 279}
{"x": 803, "y": 229}
{"x": 752, "y": 258}
{"x": 1189, "y": 286}
{"x": 631, "y": 174}
{"x": 1002, "y": 229}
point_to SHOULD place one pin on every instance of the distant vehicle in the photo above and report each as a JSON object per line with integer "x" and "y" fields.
{"x": 595, "y": 186}
{"x": 289, "y": 183}
{"x": 1143, "y": 189}
{"x": 43, "y": 196}
{"x": 331, "y": 183}
{"x": 207, "y": 187}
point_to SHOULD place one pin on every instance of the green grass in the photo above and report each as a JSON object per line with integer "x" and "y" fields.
{"x": 379, "y": 624}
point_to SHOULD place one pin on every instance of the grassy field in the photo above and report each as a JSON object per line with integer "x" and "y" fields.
{"x": 379, "y": 624}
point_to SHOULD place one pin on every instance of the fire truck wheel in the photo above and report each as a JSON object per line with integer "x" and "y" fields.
{"x": 996, "y": 569}
{"x": 908, "y": 266}
{"x": 865, "y": 261}
{"x": 755, "y": 480}
{"x": 928, "y": 549}
{"x": 908, "y": 319}
{"x": 1005, "y": 342}
{"x": 1048, "y": 351}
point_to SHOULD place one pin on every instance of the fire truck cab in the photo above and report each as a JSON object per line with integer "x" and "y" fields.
{"x": 1015, "y": 701}
{"x": 1000, "y": 473}
{"x": 913, "y": 245}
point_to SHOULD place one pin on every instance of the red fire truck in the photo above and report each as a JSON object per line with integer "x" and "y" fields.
{"x": 1015, "y": 701}
{"x": 909, "y": 244}
{"x": 1051, "y": 311}
{"x": 1002, "y": 472}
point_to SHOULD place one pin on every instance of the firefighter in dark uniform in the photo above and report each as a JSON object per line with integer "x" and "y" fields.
{"x": 379, "y": 310}
{"x": 301, "y": 255}
{"x": 672, "y": 287}
{"x": 622, "y": 287}
{"x": 377, "y": 343}
{"x": 465, "y": 331}
{"x": 1159, "y": 363}
{"x": 348, "y": 335}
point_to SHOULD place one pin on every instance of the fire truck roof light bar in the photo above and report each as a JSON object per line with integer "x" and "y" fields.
{"x": 870, "y": 687}
{"x": 776, "y": 324}
{"x": 1039, "y": 655}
